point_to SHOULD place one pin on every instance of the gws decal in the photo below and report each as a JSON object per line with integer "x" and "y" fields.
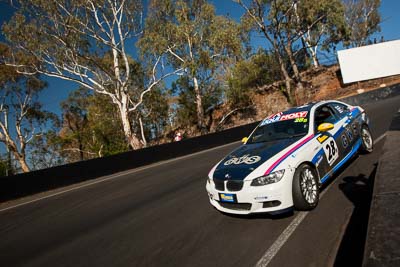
{"x": 246, "y": 159}
{"x": 345, "y": 143}
{"x": 349, "y": 134}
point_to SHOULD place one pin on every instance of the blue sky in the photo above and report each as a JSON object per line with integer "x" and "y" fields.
{"x": 58, "y": 89}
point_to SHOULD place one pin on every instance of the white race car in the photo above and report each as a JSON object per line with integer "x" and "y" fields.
{"x": 287, "y": 158}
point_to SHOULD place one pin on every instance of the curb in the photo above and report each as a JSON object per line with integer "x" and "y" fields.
{"x": 382, "y": 247}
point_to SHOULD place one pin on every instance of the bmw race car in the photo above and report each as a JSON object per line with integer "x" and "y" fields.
{"x": 288, "y": 156}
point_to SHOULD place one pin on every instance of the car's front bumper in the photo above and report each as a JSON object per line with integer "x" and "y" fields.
{"x": 270, "y": 198}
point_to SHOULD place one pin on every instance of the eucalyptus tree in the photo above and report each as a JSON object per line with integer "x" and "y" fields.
{"x": 254, "y": 72}
{"x": 363, "y": 19}
{"x": 321, "y": 24}
{"x": 22, "y": 117}
{"x": 284, "y": 23}
{"x": 90, "y": 127}
{"x": 195, "y": 38}
{"x": 268, "y": 18}
{"x": 86, "y": 42}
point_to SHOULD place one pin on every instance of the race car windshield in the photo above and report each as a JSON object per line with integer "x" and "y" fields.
{"x": 279, "y": 130}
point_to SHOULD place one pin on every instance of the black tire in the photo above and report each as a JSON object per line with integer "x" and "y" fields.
{"x": 305, "y": 188}
{"x": 367, "y": 143}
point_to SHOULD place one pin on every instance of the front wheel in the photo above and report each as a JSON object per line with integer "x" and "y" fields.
{"x": 367, "y": 143}
{"x": 305, "y": 188}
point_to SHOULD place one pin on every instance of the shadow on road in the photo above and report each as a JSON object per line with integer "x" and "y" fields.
{"x": 261, "y": 216}
{"x": 358, "y": 189}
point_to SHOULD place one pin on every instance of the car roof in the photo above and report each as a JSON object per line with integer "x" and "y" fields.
{"x": 306, "y": 107}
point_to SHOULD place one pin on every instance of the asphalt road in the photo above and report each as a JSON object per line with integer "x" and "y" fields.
{"x": 160, "y": 216}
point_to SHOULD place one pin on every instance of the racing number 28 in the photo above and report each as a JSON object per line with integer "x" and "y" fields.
{"x": 331, "y": 150}
{"x": 330, "y": 147}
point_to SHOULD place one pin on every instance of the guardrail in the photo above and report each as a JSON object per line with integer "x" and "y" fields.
{"x": 382, "y": 246}
{"x": 20, "y": 185}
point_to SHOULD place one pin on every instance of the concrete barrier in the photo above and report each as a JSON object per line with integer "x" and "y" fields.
{"x": 382, "y": 246}
{"x": 24, "y": 184}
{"x": 373, "y": 96}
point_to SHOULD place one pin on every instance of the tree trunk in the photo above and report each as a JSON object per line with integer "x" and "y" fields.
{"x": 286, "y": 77}
{"x": 311, "y": 52}
{"x": 22, "y": 161}
{"x": 285, "y": 74}
{"x": 297, "y": 77}
{"x": 81, "y": 155}
{"x": 144, "y": 141}
{"x": 314, "y": 57}
{"x": 133, "y": 140}
{"x": 293, "y": 64}
{"x": 199, "y": 106}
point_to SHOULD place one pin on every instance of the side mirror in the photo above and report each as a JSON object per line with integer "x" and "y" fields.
{"x": 324, "y": 127}
{"x": 244, "y": 140}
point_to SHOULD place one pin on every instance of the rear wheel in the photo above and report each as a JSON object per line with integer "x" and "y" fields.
{"x": 367, "y": 143}
{"x": 305, "y": 188}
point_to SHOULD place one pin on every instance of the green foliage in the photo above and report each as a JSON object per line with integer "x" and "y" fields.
{"x": 363, "y": 19}
{"x": 3, "y": 167}
{"x": 259, "y": 70}
{"x": 22, "y": 115}
{"x": 45, "y": 150}
{"x": 194, "y": 40}
{"x": 155, "y": 113}
{"x": 186, "y": 114}
{"x": 84, "y": 42}
{"x": 322, "y": 20}
{"x": 69, "y": 32}
{"x": 91, "y": 127}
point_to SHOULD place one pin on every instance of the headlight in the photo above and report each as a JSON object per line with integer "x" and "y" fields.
{"x": 268, "y": 179}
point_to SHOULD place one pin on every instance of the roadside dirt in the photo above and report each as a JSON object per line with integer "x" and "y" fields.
{"x": 321, "y": 84}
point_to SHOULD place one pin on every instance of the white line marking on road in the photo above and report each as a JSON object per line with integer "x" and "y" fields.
{"x": 284, "y": 236}
{"x": 114, "y": 176}
{"x": 379, "y": 138}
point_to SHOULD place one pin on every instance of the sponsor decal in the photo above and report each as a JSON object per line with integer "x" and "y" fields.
{"x": 331, "y": 151}
{"x": 294, "y": 115}
{"x": 304, "y": 120}
{"x": 339, "y": 108}
{"x": 345, "y": 143}
{"x": 319, "y": 160}
{"x": 246, "y": 159}
{"x": 349, "y": 134}
{"x": 227, "y": 197}
{"x": 322, "y": 138}
{"x": 273, "y": 118}
{"x": 280, "y": 117}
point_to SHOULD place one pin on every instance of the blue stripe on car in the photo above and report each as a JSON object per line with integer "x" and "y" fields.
{"x": 317, "y": 156}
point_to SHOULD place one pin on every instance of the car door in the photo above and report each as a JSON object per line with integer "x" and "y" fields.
{"x": 332, "y": 150}
{"x": 350, "y": 125}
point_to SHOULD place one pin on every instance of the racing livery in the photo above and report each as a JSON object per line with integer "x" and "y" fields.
{"x": 288, "y": 156}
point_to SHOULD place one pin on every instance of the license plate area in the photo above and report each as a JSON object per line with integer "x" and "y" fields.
{"x": 230, "y": 198}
